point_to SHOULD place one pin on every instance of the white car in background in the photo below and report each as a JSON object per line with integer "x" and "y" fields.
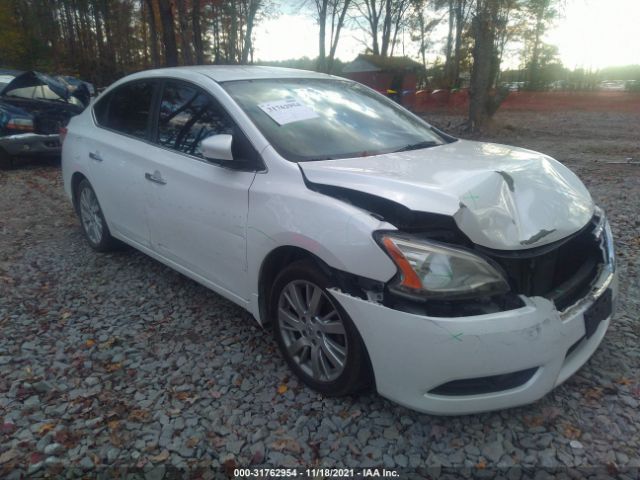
{"x": 454, "y": 276}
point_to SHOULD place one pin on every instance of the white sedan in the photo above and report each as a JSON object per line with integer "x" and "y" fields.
{"x": 453, "y": 276}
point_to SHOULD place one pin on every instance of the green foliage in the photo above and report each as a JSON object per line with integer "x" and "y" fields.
{"x": 628, "y": 72}
{"x": 102, "y": 40}
{"x": 12, "y": 38}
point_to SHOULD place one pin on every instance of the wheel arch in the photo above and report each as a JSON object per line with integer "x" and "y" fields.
{"x": 282, "y": 256}
{"x": 76, "y": 178}
{"x": 272, "y": 264}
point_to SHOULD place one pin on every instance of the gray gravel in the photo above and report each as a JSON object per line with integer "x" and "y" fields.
{"x": 109, "y": 360}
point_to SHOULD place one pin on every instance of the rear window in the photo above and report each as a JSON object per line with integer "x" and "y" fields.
{"x": 126, "y": 109}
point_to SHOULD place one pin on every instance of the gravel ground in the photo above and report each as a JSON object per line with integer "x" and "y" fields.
{"x": 115, "y": 360}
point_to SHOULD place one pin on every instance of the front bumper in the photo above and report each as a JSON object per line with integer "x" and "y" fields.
{"x": 31, "y": 144}
{"x": 414, "y": 356}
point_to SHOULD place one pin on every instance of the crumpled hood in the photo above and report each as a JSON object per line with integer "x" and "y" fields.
{"x": 501, "y": 197}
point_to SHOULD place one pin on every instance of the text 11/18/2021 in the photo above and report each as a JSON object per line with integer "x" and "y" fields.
{"x": 327, "y": 473}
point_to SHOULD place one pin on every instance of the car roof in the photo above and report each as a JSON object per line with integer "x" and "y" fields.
{"x": 226, "y": 73}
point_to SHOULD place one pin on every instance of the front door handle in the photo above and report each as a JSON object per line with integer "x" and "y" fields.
{"x": 155, "y": 177}
{"x": 95, "y": 156}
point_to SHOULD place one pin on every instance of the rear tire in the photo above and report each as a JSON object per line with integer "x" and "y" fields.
{"x": 94, "y": 226}
{"x": 314, "y": 333}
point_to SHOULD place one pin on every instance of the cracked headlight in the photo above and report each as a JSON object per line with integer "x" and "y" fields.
{"x": 602, "y": 232}
{"x": 433, "y": 270}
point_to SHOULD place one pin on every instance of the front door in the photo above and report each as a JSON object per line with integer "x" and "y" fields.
{"x": 198, "y": 209}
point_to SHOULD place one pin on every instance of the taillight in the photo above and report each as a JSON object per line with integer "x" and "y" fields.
{"x": 63, "y": 134}
{"x": 20, "y": 124}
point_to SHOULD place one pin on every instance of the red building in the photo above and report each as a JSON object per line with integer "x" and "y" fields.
{"x": 396, "y": 77}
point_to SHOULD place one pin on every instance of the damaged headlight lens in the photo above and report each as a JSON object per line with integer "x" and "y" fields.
{"x": 610, "y": 249}
{"x": 603, "y": 232}
{"x": 434, "y": 270}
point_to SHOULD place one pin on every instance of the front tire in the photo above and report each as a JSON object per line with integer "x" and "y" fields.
{"x": 314, "y": 333}
{"x": 92, "y": 219}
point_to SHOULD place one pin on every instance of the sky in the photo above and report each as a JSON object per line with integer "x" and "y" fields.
{"x": 591, "y": 34}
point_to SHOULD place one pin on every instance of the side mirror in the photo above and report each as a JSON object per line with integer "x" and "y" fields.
{"x": 217, "y": 147}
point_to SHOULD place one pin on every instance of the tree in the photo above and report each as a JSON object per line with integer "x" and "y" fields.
{"x": 13, "y": 38}
{"x": 511, "y": 13}
{"x": 384, "y": 19}
{"x": 152, "y": 12}
{"x": 421, "y": 28}
{"x": 232, "y": 24}
{"x": 168, "y": 33}
{"x": 331, "y": 13}
{"x": 541, "y": 14}
{"x": 458, "y": 13}
{"x": 252, "y": 11}
{"x": 486, "y": 25}
{"x": 448, "y": 49}
{"x": 101, "y": 40}
{"x": 462, "y": 9}
{"x": 185, "y": 33}
{"x": 198, "y": 44}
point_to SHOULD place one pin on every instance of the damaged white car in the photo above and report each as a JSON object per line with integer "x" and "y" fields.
{"x": 453, "y": 276}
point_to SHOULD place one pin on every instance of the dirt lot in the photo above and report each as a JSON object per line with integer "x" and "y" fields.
{"x": 553, "y": 101}
{"x": 116, "y": 361}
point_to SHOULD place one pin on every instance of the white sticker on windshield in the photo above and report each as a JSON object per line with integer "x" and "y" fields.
{"x": 288, "y": 110}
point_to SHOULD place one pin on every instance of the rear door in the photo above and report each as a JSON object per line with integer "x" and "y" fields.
{"x": 198, "y": 209}
{"x": 119, "y": 158}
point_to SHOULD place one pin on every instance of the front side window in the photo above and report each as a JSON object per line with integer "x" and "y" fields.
{"x": 187, "y": 116}
{"x": 318, "y": 119}
{"x": 126, "y": 109}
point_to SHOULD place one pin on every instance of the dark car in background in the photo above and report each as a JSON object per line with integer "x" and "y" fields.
{"x": 7, "y": 75}
{"x": 33, "y": 109}
{"x": 74, "y": 83}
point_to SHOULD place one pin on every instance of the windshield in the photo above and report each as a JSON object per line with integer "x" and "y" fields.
{"x": 319, "y": 119}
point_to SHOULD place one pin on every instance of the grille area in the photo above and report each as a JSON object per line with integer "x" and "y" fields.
{"x": 562, "y": 272}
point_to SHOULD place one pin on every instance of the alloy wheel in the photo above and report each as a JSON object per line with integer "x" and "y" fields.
{"x": 90, "y": 215}
{"x": 313, "y": 331}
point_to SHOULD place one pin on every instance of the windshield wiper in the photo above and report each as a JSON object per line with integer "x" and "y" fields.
{"x": 418, "y": 146}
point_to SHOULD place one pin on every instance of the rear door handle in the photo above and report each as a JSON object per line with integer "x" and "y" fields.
{"x": 95, "y": 156}
{"x": 155, "y": 177}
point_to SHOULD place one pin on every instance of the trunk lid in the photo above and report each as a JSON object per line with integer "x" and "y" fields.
{"x": 36, "y": 79}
